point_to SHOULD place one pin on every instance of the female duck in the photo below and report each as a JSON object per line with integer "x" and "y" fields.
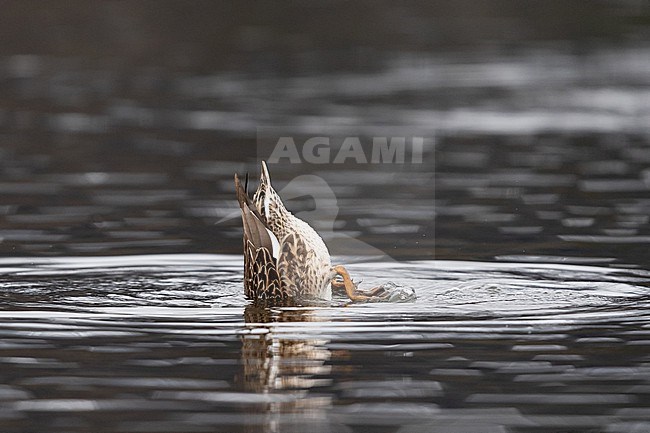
{"x": 284, "y": 258}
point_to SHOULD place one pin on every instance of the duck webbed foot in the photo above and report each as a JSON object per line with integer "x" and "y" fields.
{"x": 344, "y": 282}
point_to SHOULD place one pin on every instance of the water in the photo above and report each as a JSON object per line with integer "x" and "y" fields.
{"x": 539, "y": 152}
{"x": 166, "y": 343}
{"x": 524, "y": 232}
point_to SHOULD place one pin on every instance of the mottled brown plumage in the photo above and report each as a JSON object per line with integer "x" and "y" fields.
{"x": 284, "y": 258}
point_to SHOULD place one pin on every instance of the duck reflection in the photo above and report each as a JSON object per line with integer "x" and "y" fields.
{"x": 278, "y": 362}
{"x": 275, "y": 357}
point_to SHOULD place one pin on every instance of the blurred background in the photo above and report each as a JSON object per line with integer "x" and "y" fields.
{"x": 122, "y": 123}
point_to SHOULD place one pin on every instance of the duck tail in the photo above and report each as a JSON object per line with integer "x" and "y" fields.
{"x": 254, "y": 229}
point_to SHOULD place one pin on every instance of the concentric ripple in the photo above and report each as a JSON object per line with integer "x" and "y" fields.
{"x": 168, "y": 343}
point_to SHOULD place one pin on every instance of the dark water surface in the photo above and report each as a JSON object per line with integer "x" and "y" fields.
{"x": 524, "y": 231}
{"x": 169, "y": 344}
{"x": 541, "y": 153}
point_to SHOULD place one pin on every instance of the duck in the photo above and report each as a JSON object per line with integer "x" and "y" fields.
{"x": 285, "y": 260}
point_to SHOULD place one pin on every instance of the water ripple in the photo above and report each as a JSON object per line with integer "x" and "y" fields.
{"x": 171, "y": 338}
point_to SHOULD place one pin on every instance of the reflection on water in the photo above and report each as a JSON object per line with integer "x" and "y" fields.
{"x": 122, "y": 123}
{"x": 168, "y": 343}
{"x": 282, "y": 369}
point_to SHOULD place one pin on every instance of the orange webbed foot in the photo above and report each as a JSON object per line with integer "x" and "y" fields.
{"x": 351, "y": 289}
